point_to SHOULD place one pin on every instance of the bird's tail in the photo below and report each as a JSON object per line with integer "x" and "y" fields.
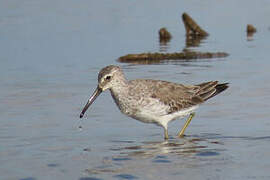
{"x": 210, "y": 89}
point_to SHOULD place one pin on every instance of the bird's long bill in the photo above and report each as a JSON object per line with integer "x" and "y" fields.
{"x": 90, "y": 101}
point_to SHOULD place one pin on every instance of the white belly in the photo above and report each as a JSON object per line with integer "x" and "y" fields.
{"x": 161, "y": 118}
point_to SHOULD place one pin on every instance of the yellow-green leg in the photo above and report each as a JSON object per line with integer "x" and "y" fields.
{"x": 181, "y": 133}
{"x": 166, "y": 136}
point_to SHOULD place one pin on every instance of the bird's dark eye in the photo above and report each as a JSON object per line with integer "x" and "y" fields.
{"x": 108, "y": 77}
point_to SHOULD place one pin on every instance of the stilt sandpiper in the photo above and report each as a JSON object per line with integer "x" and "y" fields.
{"x": 154, "y": 101}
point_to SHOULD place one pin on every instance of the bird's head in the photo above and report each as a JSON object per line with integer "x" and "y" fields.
{"x": 108, "y": 77}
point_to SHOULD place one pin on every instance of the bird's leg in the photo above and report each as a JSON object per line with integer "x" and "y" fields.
{"x": 166, "y": 136}
{"x": 181, "y": 133}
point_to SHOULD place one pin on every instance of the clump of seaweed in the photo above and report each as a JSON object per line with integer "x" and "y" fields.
{"x": 164, "y": 38}
{"x": 251, "y": 28}
{"x": 186, "y": 55}
{"x": 192, "y": 28}
{"x": 250, "y": 31}
{"x": 164, "y": 34}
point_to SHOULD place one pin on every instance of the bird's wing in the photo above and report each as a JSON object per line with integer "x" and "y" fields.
{"x": 177, "y": 96}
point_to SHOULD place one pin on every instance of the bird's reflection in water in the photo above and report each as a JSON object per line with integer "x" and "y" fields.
{"x": 185, "y": 147}
{"x": 132, "y": 154}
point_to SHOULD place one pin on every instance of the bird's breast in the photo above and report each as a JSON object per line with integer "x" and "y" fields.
{"x": 126, "y": 104}
{"x": 145, "y": 109}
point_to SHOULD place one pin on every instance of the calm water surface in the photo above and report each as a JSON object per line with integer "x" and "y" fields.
{"x": 51, "y": 52}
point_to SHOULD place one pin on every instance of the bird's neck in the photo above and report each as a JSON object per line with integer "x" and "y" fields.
{"x": 120, "y": 88}
{"x": 120, "y": 92}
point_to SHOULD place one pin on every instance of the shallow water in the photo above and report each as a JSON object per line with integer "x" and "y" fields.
{"x": 51, "y": 52}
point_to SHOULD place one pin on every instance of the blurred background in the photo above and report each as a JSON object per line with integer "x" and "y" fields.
{"x": 52, "y": 51}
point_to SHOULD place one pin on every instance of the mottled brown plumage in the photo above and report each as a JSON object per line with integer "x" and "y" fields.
{"x": 153, "y": 101}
